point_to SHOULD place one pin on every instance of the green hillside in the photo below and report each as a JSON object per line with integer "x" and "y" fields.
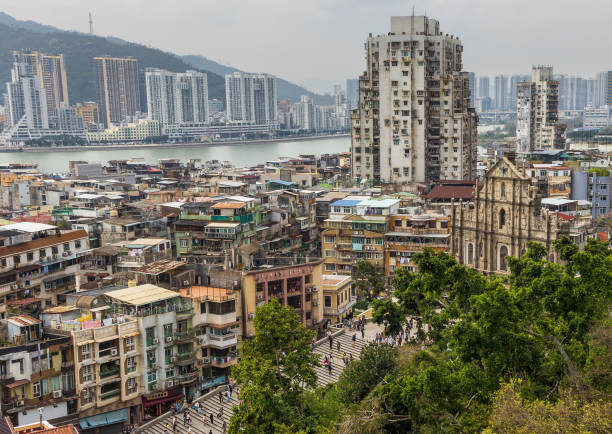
{"x": 79, "y": 50}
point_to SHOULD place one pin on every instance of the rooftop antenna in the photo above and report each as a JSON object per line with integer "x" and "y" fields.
{"x": 90, "y": 24}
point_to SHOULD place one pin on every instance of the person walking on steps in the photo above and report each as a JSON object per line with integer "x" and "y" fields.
{"x": 212, "y": 418}
{"x": 220, "y": 397}
{"x": 362, "y": 332}
{"x": 329, "y": 368}
{"x": 224, "y": 426}
{"x": 331, "y": 342}
{"x": 354, "y": 338}
{"x": 338, "y": 346}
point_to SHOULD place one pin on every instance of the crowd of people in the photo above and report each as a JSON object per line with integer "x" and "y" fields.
{"x": 187, "y": 409}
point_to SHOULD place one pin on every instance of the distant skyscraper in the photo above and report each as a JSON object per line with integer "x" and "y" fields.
{"x": 68, "y": 119}
{"x": 251, "y": 98}
{"x": 484, "y": 87}
{"x": 26, "y": 98}
{"x": 501, "y": 92}
{"x": 413, "y": 123}
{"x": 117, "y": 87}
{"x": 50, "y": 69}
{"x": 572, "y": 92}
{"x": 608, "y": 88}
{"x": 304, "y": 114}
{"x": 177, "y": 98}
{"x": 472, "y": 84}
{"x": 537, "y": 126}
{"x": 514, "y": 81}
{"x": 352, "y": 91}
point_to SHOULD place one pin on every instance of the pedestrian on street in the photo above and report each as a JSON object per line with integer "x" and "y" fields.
{"x": 354, "y": 338}
{"x": 212, "y": 418}
{"x": 329, "y": 368}
{"x": 331, "y": 342}
{"x": 220, "y": 397}
{"x": 362, "y": 333}
{"x": 204, "y": 419}
{"x": 184, "y": 418}
{"x": 227, "y": 396}
{"x": 188, "y": 419}
{"x": 224, "y": 426}
{"x": 338, "y": 346}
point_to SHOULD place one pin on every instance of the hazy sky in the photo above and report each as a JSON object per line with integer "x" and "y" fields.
{"x": 309, "y": 40}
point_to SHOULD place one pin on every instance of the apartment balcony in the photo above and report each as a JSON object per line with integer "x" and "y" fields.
{"x": 222, "y": 341}
{"x": 185, "y": 335}
{"x": 330, "y": 311}
{"x": 152, "y": 342}
{"x": 109, "y": 394}
{"x": 188, "y": 377}
{"x": 186, "y": 356}
{"x": 223, "y": 362}
{"x": 221, "y": 319}
{"x": 184, "y": 311}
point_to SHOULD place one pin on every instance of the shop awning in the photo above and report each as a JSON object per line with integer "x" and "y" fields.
{"x": 103, "y": 419}
{"x": 17, "y": 383}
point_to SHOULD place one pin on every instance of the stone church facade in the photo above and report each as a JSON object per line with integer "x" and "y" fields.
{"x": 505, "y": 214}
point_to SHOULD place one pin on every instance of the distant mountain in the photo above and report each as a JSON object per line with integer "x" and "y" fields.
{"x": 80, "y": 48}
{"x": 284, "y": 89}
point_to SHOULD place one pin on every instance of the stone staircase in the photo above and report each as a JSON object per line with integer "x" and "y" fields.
{"x": 209, "y": 403}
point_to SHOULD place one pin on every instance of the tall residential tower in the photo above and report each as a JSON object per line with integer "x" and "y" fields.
{"x": 177, "y": 98}
{"x": 251, "y": 98}
{"x": 117, "y": 87}
{"x": 51, "y": 72}
{"x": 537, "y": 126}
{"x": 413, "y": 122}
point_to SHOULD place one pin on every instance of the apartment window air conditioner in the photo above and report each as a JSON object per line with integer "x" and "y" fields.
{"x": 154, "y": 387}
{"x": 206, "y": 360}
{"x": 57, "y": 393}
{"x": 169, "y": 383}
{"x": 185, "y": 282}
{"x": 113, "y": 352}
{"x": 155, "y": 341}
{"x": 315, "y": 289}
{"x": 251, "y": 316}
{"x": 169, "y": 339}
{"x": 154, "y": 365}
{"x": 20, "y": 403}
{"x": 15, "y": 286}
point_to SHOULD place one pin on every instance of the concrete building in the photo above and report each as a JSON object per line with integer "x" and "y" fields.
{"x": 472, "y": 85}
{"x": 51, "y": 72}
{"x": 27, "y": 100}
{"x": 484, "y": 87}
{"x": 117, "y": 88}
{"x": 304, "y": 114}
{"x": 572, "y": 92}
{"x": 352, "y": 91}
{"x": 501, "y": 93}
{"x": 338, "y": 296}
{"x": 143, "y": 130}
{"x": 537, "y": 126}
{"x": 68, "y": 119}
{"x": 177, "y": 98}
{"x": 594, "y": 186}
{"x": 599, "y": 117}
{"x": 250, "y": 98}
{"x": 89, "y": 112}
{"x": 414, "y": 123}
{"x": 505, "y": 214}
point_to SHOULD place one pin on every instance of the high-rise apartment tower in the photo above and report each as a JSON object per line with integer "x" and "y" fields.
{"x": 413, "y": 123}
{"x": 537, "y": 126}
{"x": 51, "y": 72}
{"x": 117, "y": 87}
{"x": 251, "y": 98}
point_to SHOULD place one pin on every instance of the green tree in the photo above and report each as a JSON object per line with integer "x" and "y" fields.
{"x": 389, "y": 313}
{"x": 369, "y": 280}
{"x": 360, "y": 376}
{"x": 276, "y": 367}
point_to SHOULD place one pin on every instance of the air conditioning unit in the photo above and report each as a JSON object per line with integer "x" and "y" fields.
{"x": 251, "y": 316}
{"x": 153, "y": 365}
{"x": 113, "y": 352}
{"x": 154, "y": 387}
{"x": 86, "y": 393}
{"x": 20, "y": 403}
{"x": 15, "y": 286}
{"x": 169, "y": 383}
{"x": 169, "y": 339}
{"x": 205, "y": 360}
{"x": 57, "y": 393}
{"x": 156, "y": 341}
{"x": 186, "y": 282}
{"x": 315, "y": 302}
{"x": 335, "y": 246}
{"x": 315, "y": 289}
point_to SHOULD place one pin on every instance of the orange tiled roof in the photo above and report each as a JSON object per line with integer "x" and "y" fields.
{"x": 42, "y": 242}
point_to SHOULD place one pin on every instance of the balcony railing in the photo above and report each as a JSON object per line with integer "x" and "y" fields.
{"x": 105, "y": 373}
{"x": 109, "y": 394}
{"x": 185, "y": 356}
{"x": 336, "y": 312}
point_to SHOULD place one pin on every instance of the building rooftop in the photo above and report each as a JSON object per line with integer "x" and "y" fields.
{"x": 23, "y": 320}
{"x": 142, "y": 294}
{"x": 228, "y": 205}
{"x": 334, "y": 279}
{"x": 145, "y": 242}
{"x": 161, "y": 266}
{"x": 208, "y": 292}
{"x": 43, "y": 242}
{"x": 557, "y": 201}
{"x": 29, "y": 227}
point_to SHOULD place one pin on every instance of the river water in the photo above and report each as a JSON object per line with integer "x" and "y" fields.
{"x": 242, "y": 154}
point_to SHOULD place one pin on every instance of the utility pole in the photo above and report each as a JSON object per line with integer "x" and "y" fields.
{"x": 90, "y": 24}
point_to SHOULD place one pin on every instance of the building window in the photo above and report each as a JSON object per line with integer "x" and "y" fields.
{"x": 87, "y": 372}
{"x": 77, "y": 244}
{"x": 503, "y": 189}
{"x": 330, "y": 267}
{"x": 42, "y": 253}
{"x": 30, "y": 256}
{"x": 503, "y": 252}
{"x": 36, "y": 389}
{"x": 86, "y": 350}
{"x": 330, "y": 253}
{"x": 17, "y": 259}
{"x": 130, "y": 344}
{"x": 152, "y": 377}
{"x": 502, "y": 218}
{"x": 66, "y": 247}
{"x": 184, "y": 243}
{"x": 330, "y": 239}
{"x": 169, "y": 372}
{"x": 328, "y": 301}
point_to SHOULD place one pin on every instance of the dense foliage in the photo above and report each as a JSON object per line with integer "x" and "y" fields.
{"x": 369, "y": 280}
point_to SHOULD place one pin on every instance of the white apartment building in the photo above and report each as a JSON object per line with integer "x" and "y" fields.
{"x": 26, "y": 98}
{"x": 177, "y": 98}
{"x": 304, "y": 114}
{"x": 250, "y": 98}
{"x": 413, "y": 122}
{"x": 599, "y": 117}
{"x": 537, "y": 126}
